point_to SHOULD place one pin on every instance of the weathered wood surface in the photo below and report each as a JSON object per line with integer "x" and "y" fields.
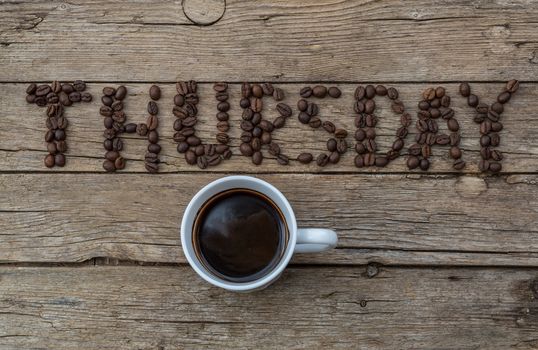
{"x": 278, "y": 40}
{"x": 390, "y": 219}
{"x": 308, "y": 308}
{"x": 22, "y": 145}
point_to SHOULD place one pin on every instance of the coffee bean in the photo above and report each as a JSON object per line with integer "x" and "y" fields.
{"x": 381, "y": 90}
{"x": 223, "y": 106}
{"x": 257, "y": 91}
{"x": 459, "y": 164}
{"x": 370, "y": 91}
{"x": 423, "y": 115}
{"x": 256, "y": 144}
{"x": 305, "y": 158}
{"x": 279, "y": 122}
{"x": 497, "y": 107}
{"x": 266, "y": 138}
{"x": 119, "y": 93}
{"x": 112, "y": 155}
{"x": 108, "y": 122}
{"x": 331, "y": 145}
{"x": 485, "y": 140}
{"x": 341, "y": 146}
{"x": 107, "y": 144}
{"x": 495, "y": 167}
{"x": 119, "y": 163}
{"x": 512, "y": 86}
{"x": 199, "y": 150}
{"x": 304, "y": 117}
{"x": 493, "y": 116}
{"x": 257, "y": 105}
{"x": 370, "y": 120}
{"x": 485, "y": 152}
{"x": 268, "y": 89}
{"x": 107, "y": 100}
{"x": 398, "y": 144}
{"x": 256, "y": 119}
{"x": 360, "y": 93}
{"x": 189, "y": 121}
{"x": 472, "y": 100}
{"x": 426, "y": 151}
{"x": 154, "y": 92}
{"x": 439, "y": 92}
{"x": 257, "y": 158}
{"x": 453, "y": 124}
{"x": 370, "y": 133}
{"x": 222, "y": 138}
{"x": 322, "y": 159}
{"x": 359, "y": 107}
{"x": 496, "y": 126}
{"x": 314, "y": 123}
{"x": 381, "y": 161}
{"x": 302, "y": 105}
{"x": 503, "y": 97}
{"x": 359, "y": 162}
{"x": 495, "y": 139}
{"x": 424, "y": 164}
{"x": 182, "y": 147}
{"x": 328, "y": 126}
{"x": 398, "y": 107}
{"x": 278, "y": 94}
{"x": 312, "y": 109}
{"x": 334, "y": 157}
{"x": 334, "y": 92}
{"x": 370, "y": 145}
{"x": 109, "y": 166}
{"x": 340, "y": 133}
{"x": 479, "y": 118}
{"x": 482, "y": 108}
{"x": 392, "y": 93}
{"x": 153, "y": 109}
{"x": 282, "y": 159}
{"x": 193, "y": 140}
{"x": 30, "y": 98}
{"x": 31, "y": 89}
{"x": 42, "y": 90}
{"x": 223, "y": 126}
{"x": 79, "y": 85}
{"x": 360, "y": 148}
{"x": 405, "y": 119}
{"x": 117, "y": 144}
{"x": 75, "y": 96}
{"x": 435, "y": 113}
{"x": 496, "y": 155}
{"x": 41, "y": 101}
{"x": 246, "y": 149}
{"x": 319, "y": 91}
{"x": 424, "y": 105}
{"x": 190, "y": 157}
{"x": 142, "y": 129}
{"x": 284, "y": 110}
{"x": 465, "y": 89}
{"x": 152, "y": 122}
{"x": 455, "y": 152}
{"x": 305, "y": 92}
{"x": 108, "y": 91}
{"x": 483, "y": 165}
{"x": 59, "y": 135}
{"x": 369, "y": 106}
{"x": 360, "y": 135}
{"x": 369, "y": 159}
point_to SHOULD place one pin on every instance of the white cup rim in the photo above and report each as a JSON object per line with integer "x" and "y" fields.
{"x": 192, "y": 209}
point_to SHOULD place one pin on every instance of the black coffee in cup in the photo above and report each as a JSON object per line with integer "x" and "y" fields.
{"x": 240, "y": 235}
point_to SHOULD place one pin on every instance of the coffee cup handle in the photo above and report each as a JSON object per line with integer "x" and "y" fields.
{"x": 314, "y": 240}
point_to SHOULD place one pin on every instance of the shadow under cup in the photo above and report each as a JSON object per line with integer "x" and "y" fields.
{"x": 239, "y": 235}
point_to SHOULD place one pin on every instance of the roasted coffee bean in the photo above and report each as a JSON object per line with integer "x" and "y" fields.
{"x": 222, "y": 138}
{"x": 496, "y": 126}
{"x": 182, "y": 147}
{"x": 107, "y": 144}
{"x": 435, "y": 103}
{"x": 79, "y": 85}
{"x": 302, "y": 105}
{"x": 440, "y": 92}
{"x": 31, "y": 89}
{"x": 51, "y": 148}
{"x": 119, "y": 93}
{"x": 52, "y": 98}
{"x": 381, "y": 161}
{"x": 30, "y": 98}
{"x": 428, "y": 94}
{"x": 485, "y": 152}
{"x": 405, "y": 119}
{"x": 109, "y": 91}
{"x": 306, "y": 92}
{"x": 319, "y": 91}
{"x": 154, "y": 148}
{"x": 256, "y": 144}
{"x": 398, "y": 144}
{"x": 59, "y": 135}
{"x": 331, "y": 145}
{"x": 213, "y": 160}
{"x": 420, "y": 137}
{"x": 284, "y": 110}
{"x": 109, "y": 166}
{"x": 266, "y": 125}
{"x": 392, "y": 154}
{"x": 119, "y": 116}
{"x": 359, "y": 162}
{"x": 402, "y": 132}
{"x": 483, "y": 165}
{"x": 246, "y": 91}
{"x": 246, "y": 149}
{"x": 445, "y": 101}
{"x": 151, "y": 157}
{"x": 274, "y": 149}
{"x": 398, "y": 107}
{"x": 62, "y": 122}
{"x": 246, "y": 125}
{"x": 152, "y": 122}
{"x": 55, "y": 110}
{"x": 266, "y": 138}
{"x": 179, "y": 112}
{"x": 485, "y": 127}
{"x": 278, "y": 94}
{"x": 495, "y": 167}
{"x": 424, "y": 105}
{"x": 153, "y": 109}
{"x": 68, "y": 88}
{"x": 119, "y": 163}
{"x": 334, "y": 92}
{"x": 465, "y": 89}
{"x": 453, "y": 124}
{"x": 256, "y": 119}
{"x": 268, "y": 89}
{"x": 328, "y": 126}
{"x": 257, "y": 158}
{"x": 435, "y": 113}
{"x": 455, "y": 152}
{"x": 312, "y": 109}
{"x": 193, "y": 141}
{"x": 370, "y": 145}
{"x": 458, "y": 164}
{"x": 304, "y": 117}
{"x": 117, "y": 106}
{"x": 322, "y": 159}
{"x": 334, "y": 157}
{"x": 496, "y": 155}
{"x": 179, "y": 100}
{"x": 49, "y": 136}
{"x": 493, "y": 116}
{"x": 485, "y": 140}
{"x": 282, "y": 159}
{"x": 415, "y": 149}
{"x": 112, "y": 155}
{"x": 246, "y": 137}
{"x": 247, "y": 114}
{"x": 61, "y": 146}
{"x": 257, "y": 105}
{"x": 341, "y": 146}
{"x": 75, "y": 96}
{"x": 142, "y": 129}
{"x": 340, "y": 133}
{"x": 512, "y": 86}
{"x": 360, "y": 121}
{"x": 41, "y": 101}
{"x": 223, "y": 126}
{"x": 369, "y": 106}
{"x": 430, "y": 138}
{"x": 423, "y": 115}
{"x": 190, "y": 157}
{"x": 42, "y": 90}
{"x": 482, "y": 108}
{"x": 360, "y": 148}
{"x": 370, "y": 91}
{"x": 257, "y": 91}
{"x": 442, "y": 139}
{"x": 447, "y": 113}
{"x": 360, "y": 135}
{"x": 305, "y": 158}
{"x": 369, "y": 159}
{"x": 117, "y": 144}
{"x": 370, "y": 133}
{"x": 223, "y": 106}
{"x": 221, "y": 96}
{"x": 129, "y": 128}
{"x": 380, "y": 90}
{"x": 189, "y": 121}
{"x": 107, "y": 100}
{"x": 472, "y": 100}
{"x": 432, "y": 126}
{"x": 392, "y": 93}
{"x": 360, "y": 93}
{"x": 370, "y": 120}
{"x": 199, "y": 150}
{"x": 219, "y": 149}
{"x": 151, "y": 167}
{"x": 503, "y": 97}
{"x": 244, "y": 103}
{"x": 422, "y": 125}
{"x": 479, "y": 118}
{"x": 59, "y": 160}
{"x": 219, "y": 87}
{"x": 495, "y": 139}
{"x": 359, "y": 107}
{"x": 424, "y": 164}
{"x": 497, "y": 107}
{"x": 154, "y": 92}
{"x": 426, "y": 151}
{"x": 279, "y": 122}
{"x": 314, "y": 122}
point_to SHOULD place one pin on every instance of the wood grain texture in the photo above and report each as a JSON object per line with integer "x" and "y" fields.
{"x": 390, "y": 219}
{"x": 22, "y": 145}
{"x": 337, "y": 308}
{"x": 275, "y": 40}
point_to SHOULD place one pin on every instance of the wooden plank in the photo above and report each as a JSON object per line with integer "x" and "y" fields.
{"x": 308, "y": 308}
{"x": 275, "y": 40}
{"x": 22, "y": 146}
{"x": 390, "y": 219}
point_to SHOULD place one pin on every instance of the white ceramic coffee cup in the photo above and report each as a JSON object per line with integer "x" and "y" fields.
{"x": 303, "y": 240}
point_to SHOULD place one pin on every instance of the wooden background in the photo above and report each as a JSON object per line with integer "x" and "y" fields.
{"x": 426, "y": 260}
